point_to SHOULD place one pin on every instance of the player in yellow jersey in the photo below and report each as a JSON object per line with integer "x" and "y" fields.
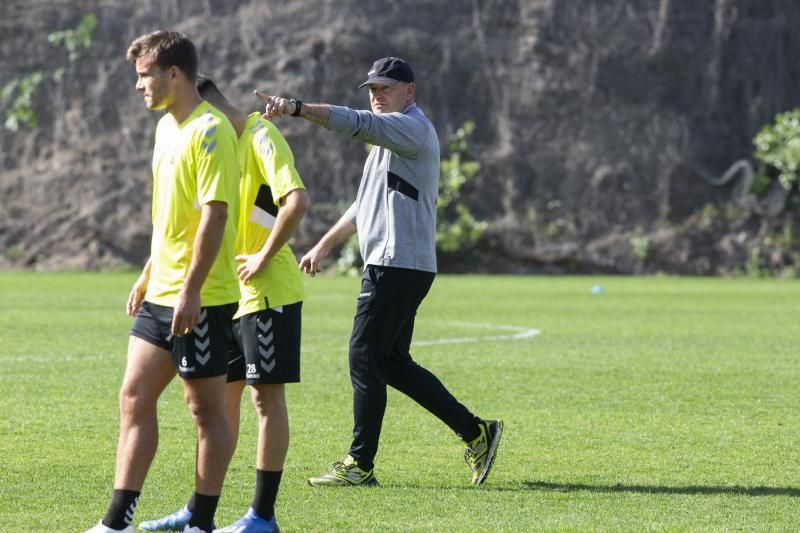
{"x": 187, "y": 294}
{"x": 267, "y": 325}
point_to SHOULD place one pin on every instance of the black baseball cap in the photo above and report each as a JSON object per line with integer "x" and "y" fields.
{"x": 389, "y": 70}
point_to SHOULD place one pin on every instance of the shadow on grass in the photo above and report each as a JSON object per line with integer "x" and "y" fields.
{"x": 647, "y": 489}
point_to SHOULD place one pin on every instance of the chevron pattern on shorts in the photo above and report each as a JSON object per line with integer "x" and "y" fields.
{"x": 266, "y": 347}
{"x": 202, "y": 340}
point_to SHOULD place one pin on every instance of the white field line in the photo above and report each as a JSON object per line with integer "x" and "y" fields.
{"x": 517, "y": 333}
{"x": 57, "y": 358}
{"x": 520, "y": 333}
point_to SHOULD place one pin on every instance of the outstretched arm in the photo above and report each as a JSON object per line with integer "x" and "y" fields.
{"x": 276, "y": 107}
{"x": 399, "y": 132}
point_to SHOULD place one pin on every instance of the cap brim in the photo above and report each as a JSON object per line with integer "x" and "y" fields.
{"x": 379, "y": 81}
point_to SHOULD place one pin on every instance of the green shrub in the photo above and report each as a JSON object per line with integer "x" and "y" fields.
{"x": 20, "y": 92}
{"x": 75, "y": 40}
{"x": 349, "y": 262}
{"x": 753, "y": 267}
{"x": 777, "y": 151}
{"x": 457, "y": 229}
{"x": 642, "y": 247}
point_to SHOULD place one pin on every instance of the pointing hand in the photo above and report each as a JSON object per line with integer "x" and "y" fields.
{"x": 275, "y": 106}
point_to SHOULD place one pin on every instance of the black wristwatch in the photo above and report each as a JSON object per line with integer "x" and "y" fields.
{"x": 298, "y": 105}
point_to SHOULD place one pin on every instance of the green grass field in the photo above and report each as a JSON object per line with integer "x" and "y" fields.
{"x": 660, "y": 404}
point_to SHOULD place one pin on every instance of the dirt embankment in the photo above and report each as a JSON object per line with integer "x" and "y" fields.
{"x": 600, "y": 125}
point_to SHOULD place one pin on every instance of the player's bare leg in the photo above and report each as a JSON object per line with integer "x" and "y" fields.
{"x": 148, "y": 372}
{"x": 273, "y": 426}
{"x": 233, "y": 402}
{"x": 206, "y": 400}
{"x": 273, "y": 443}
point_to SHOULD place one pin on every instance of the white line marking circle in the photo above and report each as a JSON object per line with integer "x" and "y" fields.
{"x": 58, "y": 358}
{"x": 516, "y": 333}
{"x": 520, "y": 333}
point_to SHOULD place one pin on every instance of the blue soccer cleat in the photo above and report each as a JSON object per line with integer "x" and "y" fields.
{"x": 174, "y": 522}
{"x": 251, "y": 523}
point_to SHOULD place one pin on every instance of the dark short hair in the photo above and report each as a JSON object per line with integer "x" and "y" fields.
{"x": 206, "y": 85}
{"x": 171, "y": 48}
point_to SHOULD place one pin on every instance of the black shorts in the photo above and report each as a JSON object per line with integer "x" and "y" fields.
{"x": 270, "y": 342}
{"x": 204, "y": 352}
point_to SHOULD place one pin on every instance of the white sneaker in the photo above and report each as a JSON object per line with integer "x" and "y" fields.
{"x": 188, "y": 529}
{"x": 100, "y": 528}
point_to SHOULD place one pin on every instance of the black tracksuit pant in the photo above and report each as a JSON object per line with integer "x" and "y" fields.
{"x": 379, "y": 356}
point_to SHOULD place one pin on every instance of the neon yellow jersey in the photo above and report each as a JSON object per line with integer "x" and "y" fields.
{"x": 268, "y": 175}
{"x": 194, "y": 163}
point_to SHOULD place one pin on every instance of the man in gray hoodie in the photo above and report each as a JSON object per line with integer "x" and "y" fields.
{"x": 395, "y": 217}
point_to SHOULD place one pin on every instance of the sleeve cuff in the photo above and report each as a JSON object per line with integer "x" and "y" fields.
{"x": 340, "y": 118}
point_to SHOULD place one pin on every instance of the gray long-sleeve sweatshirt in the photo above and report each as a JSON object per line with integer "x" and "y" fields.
{"x": 395, "y": 209}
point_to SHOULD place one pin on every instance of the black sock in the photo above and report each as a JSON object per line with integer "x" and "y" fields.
{"x": 365, "y": 465}
{"x": 472, "y": 434}
{"x": 192, "y": 504}
{"x": 203, "y": 512}
{"x": 120, "y": 512}
{"x": 267, "y": 483}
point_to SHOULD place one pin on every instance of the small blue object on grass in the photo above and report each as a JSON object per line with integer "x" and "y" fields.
{"x": 597, "y": 289}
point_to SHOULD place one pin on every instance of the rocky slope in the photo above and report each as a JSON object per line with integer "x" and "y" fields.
{"x": 601, "y": 123}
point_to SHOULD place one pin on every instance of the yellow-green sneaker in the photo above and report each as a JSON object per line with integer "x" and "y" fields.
{"x": 481, "y": 452}
{"x": 345, "y": 473}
